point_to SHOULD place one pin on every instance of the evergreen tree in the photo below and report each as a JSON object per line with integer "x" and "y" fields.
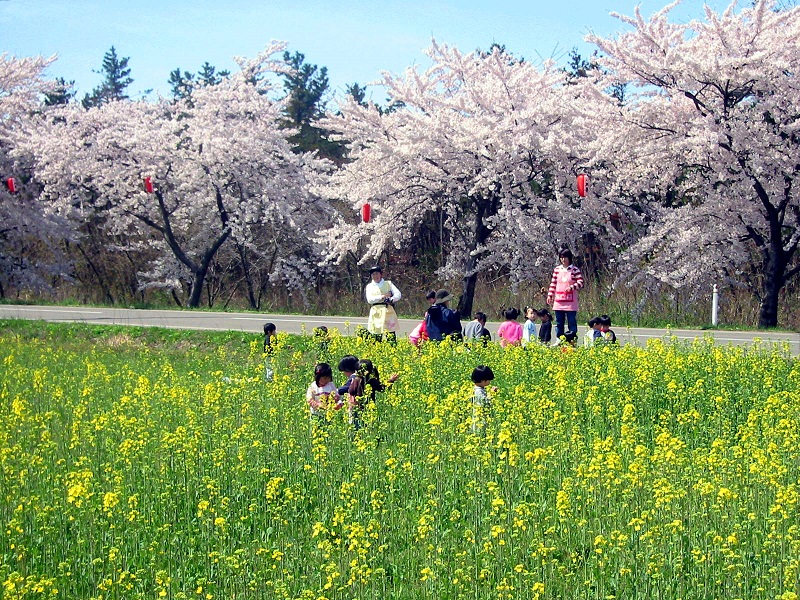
{"x": 578, "y": 68}
{"x": 208, "y": 75}
{"x": 306, "y": 87}
{"x": 63, "y": 93}
{"x": 182, "y": 84}
{"x": 501, "y": 48}
{"x": 357, "y": 92}
{"x": 117, "y": 78}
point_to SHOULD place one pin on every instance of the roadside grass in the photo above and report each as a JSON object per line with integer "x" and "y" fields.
{"x": 737, "y": 311}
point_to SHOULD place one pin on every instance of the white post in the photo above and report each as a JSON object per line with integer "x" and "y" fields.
{"x": 714, "y": 305}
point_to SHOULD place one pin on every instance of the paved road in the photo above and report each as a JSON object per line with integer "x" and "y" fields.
{"x": 182, "y": 319}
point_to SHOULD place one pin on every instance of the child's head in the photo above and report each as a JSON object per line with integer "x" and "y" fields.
{"x": 323, "y": 374}
{"x": 365, "y": 368}
{"x": 565, "y": 256}
{"x": 594, "y": 323}
{"x": 270, "y": 329}
{"x": 530, "y": 313}
{"x": 348, "y": 365}
{"x": 543, "y": 314}
{"x": 480, "y": 317}
{"x": 511, "y": 314}
{"x": 431, "y": 297}
{"x": 321, "y": 331}
{"x": 605, "y": 322}
{"x": 482, "y": 375}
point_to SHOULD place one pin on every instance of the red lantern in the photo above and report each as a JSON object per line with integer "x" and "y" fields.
{"x": 366, "y": 212}
{"x": 148, "y": 185}
{"x": 11, "y": 184}
{"x": 583, "y": 182}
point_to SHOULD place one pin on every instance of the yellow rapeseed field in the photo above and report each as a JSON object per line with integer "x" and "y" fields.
{"x": 132, "y": 471}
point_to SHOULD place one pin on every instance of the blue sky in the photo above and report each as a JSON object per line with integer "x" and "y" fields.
{"x": 356, "y": 40}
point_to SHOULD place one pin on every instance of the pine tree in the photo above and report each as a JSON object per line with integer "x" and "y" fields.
{"x": 182, "y": 84}
{"x": 117, "y": 78}
{"x": 357, "y": 92}
{"x": 63, "y": 93}
{"x": 306, "y": 87}
{"x": 208, "y": 75}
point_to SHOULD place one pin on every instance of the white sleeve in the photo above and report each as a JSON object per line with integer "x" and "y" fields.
{"x": 396, "y": 295}
{"x": 373, "y": 293}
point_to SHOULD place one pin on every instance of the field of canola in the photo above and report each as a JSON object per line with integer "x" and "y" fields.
{"x": 138, "y": 470}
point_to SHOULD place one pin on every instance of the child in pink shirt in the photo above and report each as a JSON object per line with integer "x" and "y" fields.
{"x": 322, "y": 394}
{"x": 510, "y": 331}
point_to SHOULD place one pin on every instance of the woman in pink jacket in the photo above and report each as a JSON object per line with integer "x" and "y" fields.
{"x": 563, "y": 295}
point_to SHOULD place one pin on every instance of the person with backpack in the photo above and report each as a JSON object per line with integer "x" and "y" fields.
{"x": 441, "y": 321}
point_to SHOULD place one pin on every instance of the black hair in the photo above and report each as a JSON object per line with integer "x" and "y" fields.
{"x": 511, "y": 314}
{"x": 348, "y": 363}
{"x": 605, "y": 320}
{"x": 480, "y": 316}
{"x": 430, "y": 295}
{"x": 269, "y": 333}
{"x": 366, "y": 369}
{"x": 593, "y": 321}
{"x": 322, "y": 370}
{"x": 321, "y": 330}
{"x": 482, "y": 373}
{"x": 566, "y": 253}
{"x": 544, "y": 313}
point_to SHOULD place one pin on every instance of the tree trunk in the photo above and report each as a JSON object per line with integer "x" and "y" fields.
{"x": 774, "y": 280}
{"x": 251, "y": 293}
{"x": 197, "y": 289}
{"x": 176, "y": 299}
{"x": 776, "y": 253}
{"x": 768, "y": 311}
{"x": 106, "y": 290}
{"x": 485, "y": 208}
{"x": 199, "y": 275}
{"x": 467, "y": 298}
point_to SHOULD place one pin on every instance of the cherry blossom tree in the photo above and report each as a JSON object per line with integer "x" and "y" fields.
{"x": 709, "y": 146}
{"x": 221, "y": 171}
{"x": 490, "y": 143}
{"x": 27, "y": 230}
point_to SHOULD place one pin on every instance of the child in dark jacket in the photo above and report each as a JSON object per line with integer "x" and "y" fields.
{"x": 270, "y": 332}
{"x": 546, "y": 328}
{"x": 348, "y": 367}
{"x": 605, "y": 326}
{"x": 270, "y": 342}
{"x": 362, "y": 389}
